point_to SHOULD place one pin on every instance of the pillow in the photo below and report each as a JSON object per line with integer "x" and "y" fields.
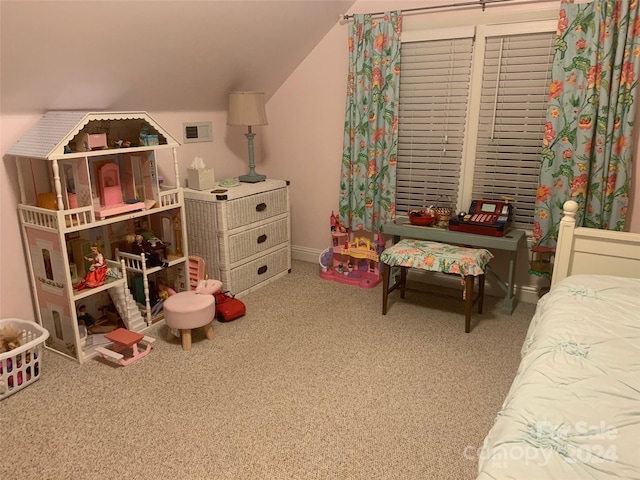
{"x": 207, "y": 287}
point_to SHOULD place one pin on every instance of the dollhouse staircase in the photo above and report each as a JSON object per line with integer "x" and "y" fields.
{"x": 127, "y": 309}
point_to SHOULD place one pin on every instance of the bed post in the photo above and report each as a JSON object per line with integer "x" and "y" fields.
{"x": 565, "y": 241}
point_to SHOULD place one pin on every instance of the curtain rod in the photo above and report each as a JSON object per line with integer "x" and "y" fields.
{"x": 479, "y": 3}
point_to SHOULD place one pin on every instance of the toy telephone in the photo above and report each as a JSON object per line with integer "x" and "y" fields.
{"x": 485, "y": 217}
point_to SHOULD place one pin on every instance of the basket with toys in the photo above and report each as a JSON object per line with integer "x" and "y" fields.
{"x": 21, "y": 349}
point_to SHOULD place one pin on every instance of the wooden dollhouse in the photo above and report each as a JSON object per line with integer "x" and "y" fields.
{"x": 351, "y": 260}
{"x": 90, "y": 179}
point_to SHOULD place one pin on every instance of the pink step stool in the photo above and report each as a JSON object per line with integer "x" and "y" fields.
{"x": 191, "y": 309}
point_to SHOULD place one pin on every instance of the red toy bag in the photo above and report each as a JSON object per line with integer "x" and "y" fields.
{"x": 228, "y": 307}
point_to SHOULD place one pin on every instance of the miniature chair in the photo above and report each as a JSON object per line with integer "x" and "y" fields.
{"x": 196, "y": 270}
{"x": 191, "y": 309}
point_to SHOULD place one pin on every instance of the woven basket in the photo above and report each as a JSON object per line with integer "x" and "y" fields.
{"x": 443, "y": 213}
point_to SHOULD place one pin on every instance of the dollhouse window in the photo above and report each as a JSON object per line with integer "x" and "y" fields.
{"x": 57, "y": 324}
{"x": 46, "y": 258}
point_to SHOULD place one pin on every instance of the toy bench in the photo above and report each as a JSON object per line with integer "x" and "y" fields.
{"x": 436, "y": 257}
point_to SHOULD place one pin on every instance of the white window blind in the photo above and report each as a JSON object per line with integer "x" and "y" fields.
{"x": 513, "y": 104}
{"x": 434, "y": 89}
{"x": 472, "y": 127}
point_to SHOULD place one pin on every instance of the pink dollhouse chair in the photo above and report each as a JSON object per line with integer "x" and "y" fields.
{"x": 110, "y": 189}
{"x": 196, "y": 270}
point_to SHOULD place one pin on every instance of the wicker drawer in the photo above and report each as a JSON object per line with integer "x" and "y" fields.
{"x": 251, "y": 209}
{"x": 256, "y": 272}
{"x": 240, "y": 246}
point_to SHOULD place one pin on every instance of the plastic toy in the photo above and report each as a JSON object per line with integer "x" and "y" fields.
{"x": 138, "y": 245}
{"x": 352, "y": 262}
{"x": 97, "y": 271}
{"x": 124, "y": 341}
{"x": 164, "y": 292}
{"x": 228, "y": 307}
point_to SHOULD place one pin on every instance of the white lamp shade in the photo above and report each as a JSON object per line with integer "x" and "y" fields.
{"x": 246, "y": 108}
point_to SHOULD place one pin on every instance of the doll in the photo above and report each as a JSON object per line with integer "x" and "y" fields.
{"x": 140, "y": 245}
{"x": 164, "y": 292}
{"x": 97, "y": 271}
{"x": 85, "y": 317}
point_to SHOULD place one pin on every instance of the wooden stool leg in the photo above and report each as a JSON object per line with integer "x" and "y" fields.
{"x": 385, "y": 287}
{"x": 186, "y": 338}
{"x": 480, "y": 292}
{"x": 169, "y": 334}
{"x": 403, "y": 280}
{"x": 468, "y": 302}
{"x": 208, "y": 330}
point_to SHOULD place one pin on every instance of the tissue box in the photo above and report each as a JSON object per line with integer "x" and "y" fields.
{"x": 201, "y": 178}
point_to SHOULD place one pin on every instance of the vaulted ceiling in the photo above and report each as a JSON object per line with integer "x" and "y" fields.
{"x": 152, "y": 55}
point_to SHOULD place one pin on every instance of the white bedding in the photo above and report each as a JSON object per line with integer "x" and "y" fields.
{"x": 573, "y": 411}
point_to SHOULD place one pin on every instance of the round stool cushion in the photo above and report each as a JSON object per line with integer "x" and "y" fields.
{"x": 187, "y": 310}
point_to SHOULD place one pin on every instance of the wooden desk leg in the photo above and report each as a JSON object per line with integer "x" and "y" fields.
{"x": 480, "y": 292}
{"x": 468, "y": 302}
{"x": 403, "y": 280}
{"x": 386, "y": 270}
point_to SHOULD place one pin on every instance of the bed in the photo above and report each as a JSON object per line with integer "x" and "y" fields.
{"x": 573, "y": 410}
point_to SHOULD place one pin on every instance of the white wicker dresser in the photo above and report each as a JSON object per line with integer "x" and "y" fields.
{"x": 243, "y": 233}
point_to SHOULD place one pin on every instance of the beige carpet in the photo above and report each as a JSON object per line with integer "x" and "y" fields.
{"x": 313, "y": 383}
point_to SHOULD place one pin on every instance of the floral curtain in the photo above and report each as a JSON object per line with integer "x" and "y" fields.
{"x": 368, "y": 174}
{"x": 587, "y": 145}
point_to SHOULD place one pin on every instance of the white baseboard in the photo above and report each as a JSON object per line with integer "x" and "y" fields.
{"x": 525, "y": 293}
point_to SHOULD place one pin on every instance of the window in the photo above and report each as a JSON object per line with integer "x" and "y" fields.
{"x": 471, "y": 119}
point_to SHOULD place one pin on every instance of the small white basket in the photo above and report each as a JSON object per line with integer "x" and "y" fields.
{"x": 22, "y": 366}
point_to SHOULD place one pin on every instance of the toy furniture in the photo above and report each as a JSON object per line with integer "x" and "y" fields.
{"x": 54, "y": 164}
{"x": 110, "y": 190}
{"x": 197, "y": 268}
{"x": 192, "y": 309}
{"x": 123, "y": 339}
{"x": 242, "y": 232}
{"x": 436, "y": 257}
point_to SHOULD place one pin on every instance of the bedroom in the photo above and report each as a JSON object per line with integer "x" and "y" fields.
{"x": 294, "y": 147}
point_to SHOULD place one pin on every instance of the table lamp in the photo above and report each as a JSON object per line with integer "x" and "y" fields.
{"x": 247, "y": 109}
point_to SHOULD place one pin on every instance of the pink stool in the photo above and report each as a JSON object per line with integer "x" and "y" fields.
{"x": 187, "y": 310}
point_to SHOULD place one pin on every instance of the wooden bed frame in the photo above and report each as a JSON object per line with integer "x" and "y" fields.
{"x": 583, "y": 250}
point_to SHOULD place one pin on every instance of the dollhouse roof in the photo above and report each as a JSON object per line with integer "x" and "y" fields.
{"x": 53, "y": 132}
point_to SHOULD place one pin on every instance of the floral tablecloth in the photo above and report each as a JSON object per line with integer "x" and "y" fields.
{"x": 437, "y": 257}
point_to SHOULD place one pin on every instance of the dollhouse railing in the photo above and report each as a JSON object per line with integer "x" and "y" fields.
{"x": 170, "y": 197}
{"x": 54, "y": 219}
{"x": 138, "y": 264}
{"x": 43, "y": 218}
{"x": 78, "y": 218}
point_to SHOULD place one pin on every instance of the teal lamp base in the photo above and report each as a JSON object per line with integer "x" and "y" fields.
{"x": 252, "y": 176}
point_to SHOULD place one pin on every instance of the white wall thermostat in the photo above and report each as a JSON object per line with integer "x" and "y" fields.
{"x": 197, "y": 132}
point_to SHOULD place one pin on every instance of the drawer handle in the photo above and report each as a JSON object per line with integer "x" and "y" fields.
{"x": 262, "y": 269}
{"x": 262, "y": 238}
{"x": 261, "y": 207}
